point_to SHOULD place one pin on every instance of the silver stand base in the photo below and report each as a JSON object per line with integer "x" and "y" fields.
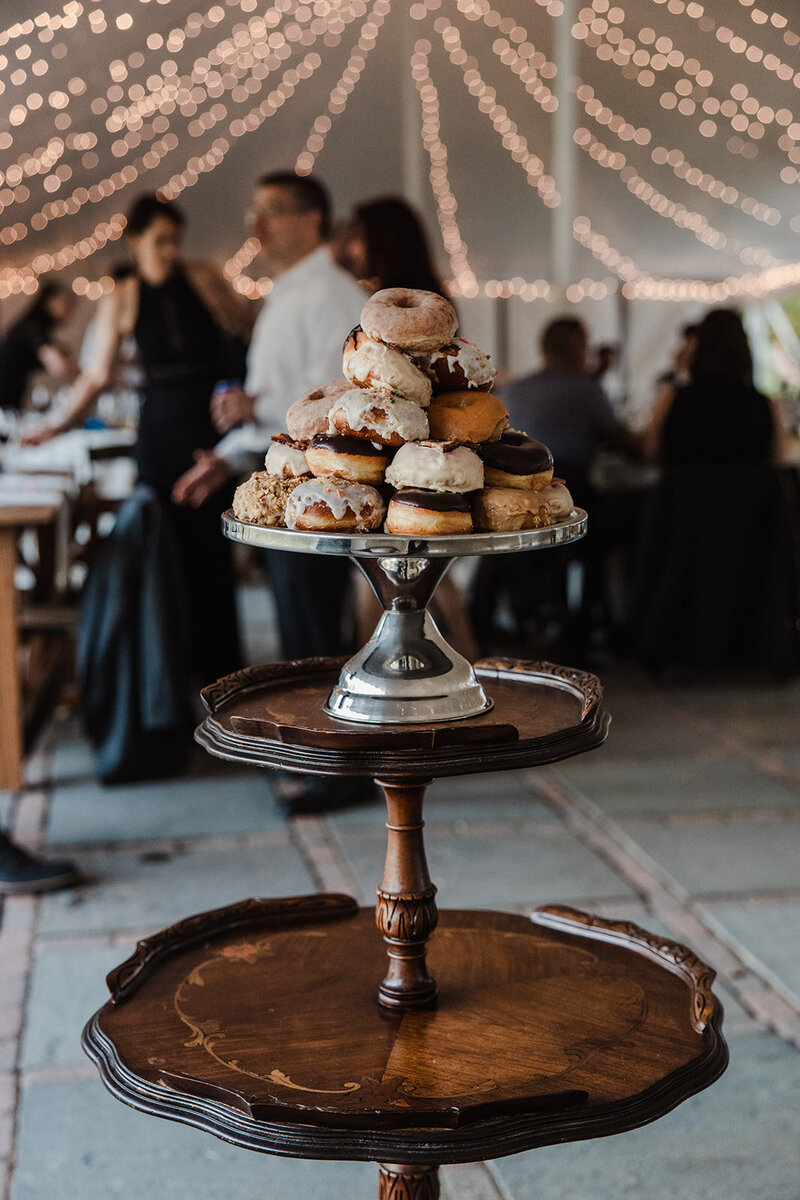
{"x": 406, "y": 674}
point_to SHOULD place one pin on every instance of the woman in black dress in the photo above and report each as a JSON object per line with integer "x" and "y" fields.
{"x": 716, "y": 584}
{"x": 191, "y": 331}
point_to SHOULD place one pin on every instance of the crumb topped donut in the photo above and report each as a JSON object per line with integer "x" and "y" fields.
{"x": 354, "y": 459}
{"x": 437, "y": 466}
{"x": 467, "y": 416}
{"x": 325, "y": 506}
{"x": 372, "y": 364}
{"x": 418, "y": 513}
{"x": 516, "y": 461}
{"x": 458, "y": 366}
{"x": 286, "y": 458}
{"x": 309, "y": 414}
{"x": 261, "y": 499}
{"x": 409, "y": 319}
{"x": 379, "y": 416}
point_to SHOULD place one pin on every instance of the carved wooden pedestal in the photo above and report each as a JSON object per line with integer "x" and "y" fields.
{"x": 276, "y": 1024}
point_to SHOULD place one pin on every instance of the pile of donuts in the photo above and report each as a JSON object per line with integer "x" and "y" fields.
{"x": 412, "y": 436}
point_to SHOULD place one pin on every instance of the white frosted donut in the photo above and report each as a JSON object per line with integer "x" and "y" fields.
{"x": 309, "y": 415}
{"x": 437, "y": 466}
{"x": 372, "y": 364}
{"x": 378, "y": 415}
{"x": 409, "y": 319}
{"x": 327, "y": 505}
{"x": 286, "y": 461}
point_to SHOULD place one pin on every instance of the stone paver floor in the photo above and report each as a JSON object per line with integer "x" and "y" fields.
{"x": 687, "y": 821}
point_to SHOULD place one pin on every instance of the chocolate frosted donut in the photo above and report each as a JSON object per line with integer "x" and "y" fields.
{"x": 352, "y": 458}
{"x": 420, "y": 513}
{"x": 516, "y": 461}
{"x": 372, "y": 364}
{"x": 309, "y": 414}
{"x": 459, "y": 366}
{"x": 409, "y": 319}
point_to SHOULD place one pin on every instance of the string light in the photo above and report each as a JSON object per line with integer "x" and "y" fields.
{"x": 690, "y": 95}
{"x": 675, "y": 159}
{"x": 512, "y": 139}
{"x": 341, "y": 92}
{"x": 446, "y": 206}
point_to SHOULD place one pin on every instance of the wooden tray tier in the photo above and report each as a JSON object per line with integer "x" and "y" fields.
{"x": 258, "y": 1023}
{"x": 273, "y": 716}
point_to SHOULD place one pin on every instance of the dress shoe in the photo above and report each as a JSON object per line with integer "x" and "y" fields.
{"x": 22, "y": 874}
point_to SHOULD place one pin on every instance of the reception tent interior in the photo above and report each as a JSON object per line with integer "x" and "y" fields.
{"x": 638, "y": 161}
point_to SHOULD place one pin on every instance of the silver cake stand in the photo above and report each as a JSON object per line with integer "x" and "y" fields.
{"x": 407, "y": 673}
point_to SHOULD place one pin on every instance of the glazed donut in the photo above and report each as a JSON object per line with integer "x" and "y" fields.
{"x": 467, "y": 417}
{"x": 287, "y": 458}
{"x": 378, "y": 416}
{"x": 457, "y": 367}
{"x": 436, "y": 466}
{"x": 261, "y": 499}
{"x": 309, "y": 414}
{"x": 502, "y": 510}
{"x": 420, "y": 513}
{"x": 371, "y": 364}
{"x": 355, "y": 459}
{"x": 516, "y": 461}
{"x": 325, "y": 506}
{"x": 409, "y": 319}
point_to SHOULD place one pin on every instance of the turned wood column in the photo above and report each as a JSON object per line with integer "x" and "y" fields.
{"x": 408, "y": 1183}
{"x": 406, "y": 911}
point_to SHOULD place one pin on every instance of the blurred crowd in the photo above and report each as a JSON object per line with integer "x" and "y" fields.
{"x": 691, "y": 558}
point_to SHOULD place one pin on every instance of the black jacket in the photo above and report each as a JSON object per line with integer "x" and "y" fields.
{"x": 131, "y": 648}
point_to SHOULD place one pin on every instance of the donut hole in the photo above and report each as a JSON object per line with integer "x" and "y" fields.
{"x": 406, "y": 302}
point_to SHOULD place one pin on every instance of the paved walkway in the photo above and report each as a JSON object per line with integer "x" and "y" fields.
{"x": 687, "y": 821}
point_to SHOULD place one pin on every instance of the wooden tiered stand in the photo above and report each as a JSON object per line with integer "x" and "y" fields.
{"x": 289, "y": 1027}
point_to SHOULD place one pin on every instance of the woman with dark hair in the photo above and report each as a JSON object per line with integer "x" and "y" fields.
{"x": 385, "y": 245}
{"x": 30, "y": 344}
{"x": 191, "y": 331}
{"x": 716, "y": 586}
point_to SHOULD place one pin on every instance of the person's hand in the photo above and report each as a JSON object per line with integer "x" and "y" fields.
{"x": 202, "y": 480}
{"x": 39, "y": 435}
{"x": 232, "y": 408}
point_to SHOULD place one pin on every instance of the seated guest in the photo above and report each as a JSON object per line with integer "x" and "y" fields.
{"x": 716, "y": 583}
{"x": 31, "y": 345}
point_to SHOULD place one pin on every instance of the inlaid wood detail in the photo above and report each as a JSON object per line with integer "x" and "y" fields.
{"x": 408, "y": 1183}
{"x": 291, "y": 910}
{"x": 674, "y": 955}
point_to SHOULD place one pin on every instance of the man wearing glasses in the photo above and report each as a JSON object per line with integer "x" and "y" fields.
{"x": 296, "y": 346}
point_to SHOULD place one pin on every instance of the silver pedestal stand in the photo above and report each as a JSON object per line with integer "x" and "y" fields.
{"x": 406, "y": 673}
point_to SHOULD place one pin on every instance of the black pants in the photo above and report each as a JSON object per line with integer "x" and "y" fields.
{"x": 313, "y": 599}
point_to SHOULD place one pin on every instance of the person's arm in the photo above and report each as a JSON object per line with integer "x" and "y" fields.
{"x": 94, "y": 379}
{"x": 57, "y": 361}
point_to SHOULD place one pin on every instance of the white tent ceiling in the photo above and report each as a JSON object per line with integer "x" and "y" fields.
{"x": 693, "y": 108}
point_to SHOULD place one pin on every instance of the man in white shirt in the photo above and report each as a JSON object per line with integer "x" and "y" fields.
{"x": 296, "y": 345}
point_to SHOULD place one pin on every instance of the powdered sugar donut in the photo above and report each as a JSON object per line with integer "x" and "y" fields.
{"x": 437, "y": 466}
{"x": 378, "y": 415}
{"x": 409, "y": 319}
{"x": 326, "y": 505}
{"x": 372, "y": 364}
{"x": 286, "y": 458}
{"x": 309, "y": 414}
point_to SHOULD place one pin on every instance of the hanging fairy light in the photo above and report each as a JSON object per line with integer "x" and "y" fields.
{"x": 343, "y": 89}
